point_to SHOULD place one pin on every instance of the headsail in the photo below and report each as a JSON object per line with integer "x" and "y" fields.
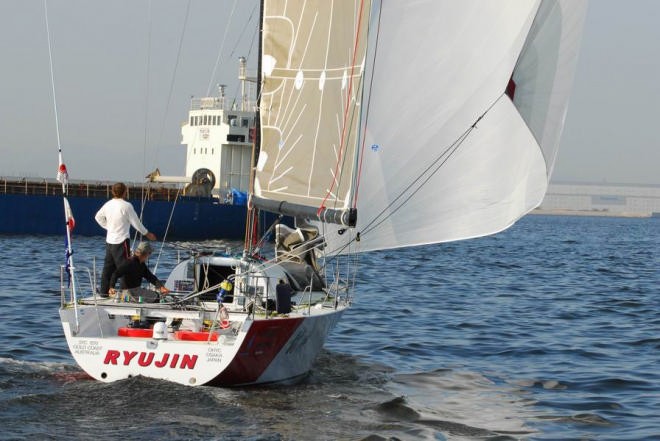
{"x": 312, "y": 66}
{"x": 448, "y": 155}
{"x": 543, "y": 76}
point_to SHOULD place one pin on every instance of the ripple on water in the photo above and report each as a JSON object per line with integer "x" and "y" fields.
{"x": 548, "y": 330}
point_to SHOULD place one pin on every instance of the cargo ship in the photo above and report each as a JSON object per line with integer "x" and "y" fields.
{"x": 209, "y": 202}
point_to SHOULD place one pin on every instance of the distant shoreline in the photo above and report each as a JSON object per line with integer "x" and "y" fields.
{"x": 588, "y": 213}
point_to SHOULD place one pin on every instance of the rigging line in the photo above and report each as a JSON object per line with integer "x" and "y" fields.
{"x": 366, "y": 117}
{"x": 172, "y": 81}
{"x": 431, "y": 170}
{"x": 52, "y": 78}
{"x": 338, "y": 179}
{"x": 348, "y": 99}
{"x": 252, "y": 41}
{"x": 167, "y": 106}
{"x": 260, "y": 243}
{"x": 167, "y": 228}
{"x": 146, "y": 109}
{"x": 375, "y": 222}
{"x": 254, "y": 38}
{"x": 222, "y": 45}
{"x": 446, "y": 154}
{"x": 69, "y": 248}
{"x": 348, "y": 136}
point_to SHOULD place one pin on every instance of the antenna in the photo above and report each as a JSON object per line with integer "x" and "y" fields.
{"x": 242, "y": 76}
{"x": 221, "y": 94}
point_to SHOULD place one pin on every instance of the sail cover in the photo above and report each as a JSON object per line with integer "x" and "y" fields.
{"x": 448, "y": 153}
{"x": 313, "y": 55}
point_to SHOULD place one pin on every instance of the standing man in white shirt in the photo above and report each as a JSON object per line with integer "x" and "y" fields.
{"x": 116, "y": 216}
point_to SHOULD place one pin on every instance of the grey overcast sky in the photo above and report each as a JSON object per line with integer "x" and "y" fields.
{"x": 102, "y": 53}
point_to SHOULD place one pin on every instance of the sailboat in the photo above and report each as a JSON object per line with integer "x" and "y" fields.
{"x": 381, "y": 125}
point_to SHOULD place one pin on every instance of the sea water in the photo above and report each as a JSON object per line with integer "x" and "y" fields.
{"x": 549, "y": 330}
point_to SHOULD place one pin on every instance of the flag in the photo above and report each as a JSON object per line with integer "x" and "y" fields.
{"x": 67, "y": 257}
{"x": 68, "y": 249}
{"x": 62, "y": 174}
{"x": 68, "y": 215}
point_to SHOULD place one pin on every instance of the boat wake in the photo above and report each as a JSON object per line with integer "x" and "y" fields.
{"x": 354, "y": 399}
{"x": 12, "y": 371}
{"x": 453, "y": 404}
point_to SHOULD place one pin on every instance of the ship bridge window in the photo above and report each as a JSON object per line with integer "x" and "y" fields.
{"x": 245, "y": 122}
{"x": 231, "y": 119}
{"x": 235, "y": 138}
{"x": 191, "y": 120}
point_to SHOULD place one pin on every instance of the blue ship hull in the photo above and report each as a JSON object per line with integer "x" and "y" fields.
{"x": 193, "y": 218}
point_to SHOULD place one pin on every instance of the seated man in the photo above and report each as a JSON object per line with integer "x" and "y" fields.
{"x": 132, "y": 271}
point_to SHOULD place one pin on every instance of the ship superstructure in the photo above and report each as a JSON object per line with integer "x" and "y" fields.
{"x": 218, "y": 136}
{"x": 209, "y": 202}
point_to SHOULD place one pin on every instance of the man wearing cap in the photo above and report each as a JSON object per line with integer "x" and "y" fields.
{"x": 116, "y": 216}
{"x": 132, "y": 271}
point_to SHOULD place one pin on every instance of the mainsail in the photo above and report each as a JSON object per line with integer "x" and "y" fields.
{"x": 312, "y": 67}
{"x": 464, "y": 104}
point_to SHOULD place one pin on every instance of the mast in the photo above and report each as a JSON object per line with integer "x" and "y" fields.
{"x": 252, "y": 214}
{"x": 257, "y": 135}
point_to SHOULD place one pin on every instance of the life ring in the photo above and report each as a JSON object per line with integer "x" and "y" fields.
{"x": 223, "y": 316}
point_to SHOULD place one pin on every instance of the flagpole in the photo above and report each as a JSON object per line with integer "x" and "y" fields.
{"x": 63, "y": 178}
{"x": 69, "y": 259}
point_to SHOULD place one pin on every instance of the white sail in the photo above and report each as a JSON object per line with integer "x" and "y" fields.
{"x": 440, "y": 68}
{"x": 312, "y": 66}
{"x": 544, "y": 73}
{"x": 464, "y": 104}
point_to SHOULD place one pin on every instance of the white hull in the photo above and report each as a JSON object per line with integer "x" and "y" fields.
{"x": 250, "y": 351}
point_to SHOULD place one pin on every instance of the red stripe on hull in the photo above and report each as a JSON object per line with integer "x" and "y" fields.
{"x": 264, "y": 341}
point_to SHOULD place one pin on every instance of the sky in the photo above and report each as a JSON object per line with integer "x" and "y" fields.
{"x": 125, "y": 71}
